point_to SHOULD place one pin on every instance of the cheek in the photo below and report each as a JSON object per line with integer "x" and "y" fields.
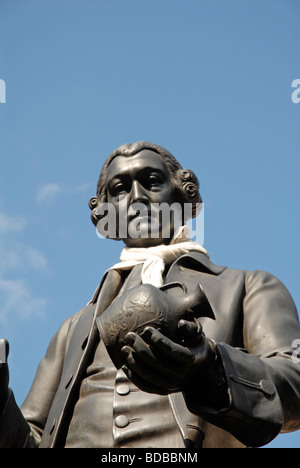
{"x": 120, "y": 204}
{"x": 167, "y": 195}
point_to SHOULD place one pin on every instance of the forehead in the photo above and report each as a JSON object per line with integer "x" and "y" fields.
{"x": 131, "y": 165}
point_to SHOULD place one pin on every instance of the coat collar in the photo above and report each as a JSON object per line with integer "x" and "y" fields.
{"x": 197, "y": 261}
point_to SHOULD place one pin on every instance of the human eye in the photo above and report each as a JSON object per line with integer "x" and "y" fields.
{"x": 117, "y": 188}
{"x": 154, "y": 181}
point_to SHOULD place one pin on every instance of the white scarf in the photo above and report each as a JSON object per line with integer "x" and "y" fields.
{"x": 155, "y": 259}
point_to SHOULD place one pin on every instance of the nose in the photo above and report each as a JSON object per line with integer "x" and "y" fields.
{"x": 138, "y": 193}
{"x": 138, "y": 201}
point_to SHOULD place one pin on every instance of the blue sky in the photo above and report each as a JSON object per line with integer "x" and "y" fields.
{"x": 208, "y": 79}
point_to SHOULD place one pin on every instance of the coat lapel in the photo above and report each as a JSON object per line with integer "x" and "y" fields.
{"x": 80, "y": 346}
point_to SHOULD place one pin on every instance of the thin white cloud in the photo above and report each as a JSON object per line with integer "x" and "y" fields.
{"x": 36, "y": 259}
{"x": 48, "y": 192}
{"x": 16, "y": 256}
{"x": 18, "y": 302}
{"x": 84, "y": 187}
{"x": 9, "y": 224}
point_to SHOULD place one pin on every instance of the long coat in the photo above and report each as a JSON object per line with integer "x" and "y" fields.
{"x": 255, "y": 327}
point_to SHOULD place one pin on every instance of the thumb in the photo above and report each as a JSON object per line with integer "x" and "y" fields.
{"x": 4, "y": 350}
{"x": 189, "y": 330}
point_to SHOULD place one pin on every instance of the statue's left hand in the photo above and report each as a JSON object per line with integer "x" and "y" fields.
{"x": 156, "y": 364}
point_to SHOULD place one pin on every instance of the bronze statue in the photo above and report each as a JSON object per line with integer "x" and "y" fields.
{"x": 172, "y": 351}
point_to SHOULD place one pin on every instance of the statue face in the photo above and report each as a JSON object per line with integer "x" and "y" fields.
{"x": 141, "y": 179}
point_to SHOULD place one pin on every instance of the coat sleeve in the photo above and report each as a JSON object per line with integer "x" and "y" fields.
{"x": 23, "y": 427}
{"x": 263, "y": 379}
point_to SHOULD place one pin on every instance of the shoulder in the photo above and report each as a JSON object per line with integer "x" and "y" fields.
{"x": 82, "y": 319}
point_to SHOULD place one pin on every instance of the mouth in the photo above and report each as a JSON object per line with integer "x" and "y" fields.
{"x": 144, "y": 214}
{"x": 139, "y": 220}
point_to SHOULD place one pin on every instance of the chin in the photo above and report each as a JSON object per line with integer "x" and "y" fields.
{"x": 150, "y": 238}
{"x": 142, "y": 242}
{"x": 145, "y": 241}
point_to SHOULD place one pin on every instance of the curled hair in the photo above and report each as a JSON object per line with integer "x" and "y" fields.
{"x": 184, "y": 181}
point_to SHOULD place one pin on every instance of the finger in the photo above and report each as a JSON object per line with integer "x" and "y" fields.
{"x": 143, "y": 353}
{"x": 154, "y": 360}
{"x": 191, "y": 332}
{"x": 140, "y": 347}
{"x": 151, "y": 376}
{"x": 167, "y": 347}
{"x": 142, "y": 384}
{"x": 152, "y": 356}
{"x": 189, "y": 329}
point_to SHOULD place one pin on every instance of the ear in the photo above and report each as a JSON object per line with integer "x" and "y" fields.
{"x": 93, "y": 203}
{"x": 103, "y": 216}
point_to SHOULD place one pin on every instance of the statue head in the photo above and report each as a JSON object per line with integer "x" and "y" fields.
{"x": 146, "y": 174}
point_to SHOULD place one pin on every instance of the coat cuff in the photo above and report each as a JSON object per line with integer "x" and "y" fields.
{"x": 254, "y": 413}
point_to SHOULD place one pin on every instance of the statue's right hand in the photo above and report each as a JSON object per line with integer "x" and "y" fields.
{"x": 4, "y": 374}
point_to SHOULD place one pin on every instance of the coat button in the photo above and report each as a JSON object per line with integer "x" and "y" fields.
{"x": 121, "y": 421}
{"x": 267, "y": 388}
{"x": 123, "y": 389}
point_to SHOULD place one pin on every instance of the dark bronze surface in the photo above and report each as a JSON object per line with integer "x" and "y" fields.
{"x": 211, "y": 348}
{"x": 147, "y": 306}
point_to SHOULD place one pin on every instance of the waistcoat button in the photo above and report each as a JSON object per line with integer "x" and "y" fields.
{"x": 123, "y": 389}
{"x": 121, "y": 421}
